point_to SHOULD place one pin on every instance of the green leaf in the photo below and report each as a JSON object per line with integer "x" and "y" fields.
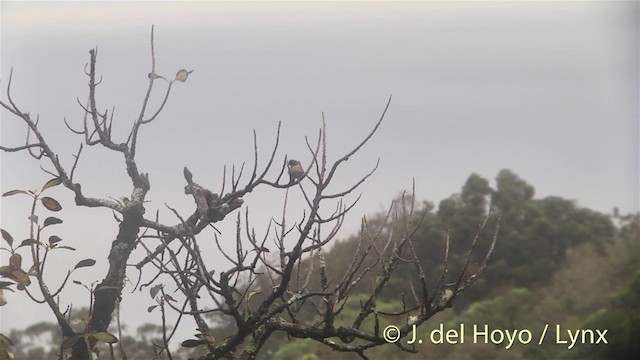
{"x": 7, "y": 237}
{"x": 13, "y": 192}
{"x": 192, "y": 343}
{"x": 22, "y": 278}
{"x": 19, "y": 276}
{"x": 69, "y": 342}
{"x": 15, "y": 261}
{"x": 54, "y": 239}
{"x": 51, "y": 221}
{"x": 208, "y": 338}
{"x": 150, "y": 308}
{"x": 51, "y": 203}
{"x": 28, "y": 242}
{"x": 154, "y": 291}
{"x": 51, "y": 183}
{"x": 84, "y": 263}
{"x": 105, "y": 337}
{"x": 5, "y": 348}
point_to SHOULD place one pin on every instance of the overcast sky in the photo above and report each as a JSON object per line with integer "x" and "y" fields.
{"x": 546, "y": 89}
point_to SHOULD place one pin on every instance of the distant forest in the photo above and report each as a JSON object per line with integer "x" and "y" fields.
{"x": 555, "y": 264}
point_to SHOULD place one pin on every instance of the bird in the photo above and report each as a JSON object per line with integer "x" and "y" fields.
{"x": 296, "y": 172}
{"x": 183, "y": 74}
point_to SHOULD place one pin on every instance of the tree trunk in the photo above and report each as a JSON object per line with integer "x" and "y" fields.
{"x": 107, "y": 294}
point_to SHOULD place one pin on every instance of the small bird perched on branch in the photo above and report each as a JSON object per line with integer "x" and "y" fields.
{"x": 296, "y": 172}
{"x": 183, "y": 74}
{"x": 204, "y": 198}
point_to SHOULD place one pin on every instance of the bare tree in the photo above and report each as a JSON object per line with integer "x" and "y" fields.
{"x": 290, "y": 256}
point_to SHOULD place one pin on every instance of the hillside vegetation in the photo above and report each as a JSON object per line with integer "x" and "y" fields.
{"x": 555, "y": 265}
